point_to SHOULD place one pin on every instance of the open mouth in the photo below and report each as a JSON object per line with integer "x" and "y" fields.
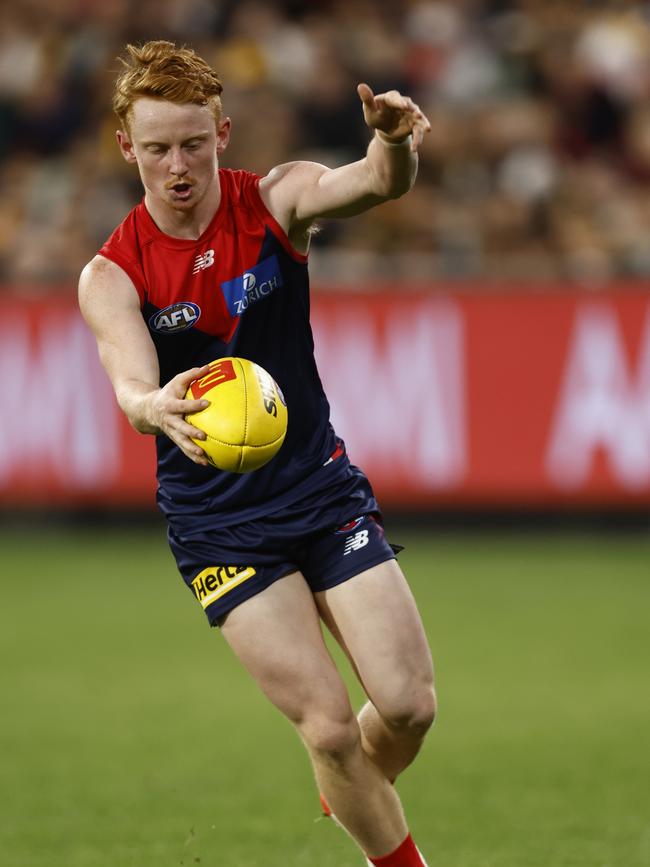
{"x": 181, "y": 188}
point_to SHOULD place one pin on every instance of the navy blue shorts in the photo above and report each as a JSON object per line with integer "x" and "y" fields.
{"x": 328, "y": 543}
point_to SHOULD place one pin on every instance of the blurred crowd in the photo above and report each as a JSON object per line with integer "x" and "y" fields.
{"x": 537, "y": 166}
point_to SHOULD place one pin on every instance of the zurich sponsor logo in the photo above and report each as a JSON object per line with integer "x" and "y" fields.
{"x": 176, "y": 317}
{"x": 252, "y": 286}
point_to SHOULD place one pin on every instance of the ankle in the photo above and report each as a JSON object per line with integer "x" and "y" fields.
{"x": 406, "y": 855}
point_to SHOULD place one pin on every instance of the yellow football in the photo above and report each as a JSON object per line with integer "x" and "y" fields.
{"x": 246, "y": 421}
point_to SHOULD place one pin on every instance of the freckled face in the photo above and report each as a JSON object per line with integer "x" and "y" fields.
{"x": 176, "y": 148}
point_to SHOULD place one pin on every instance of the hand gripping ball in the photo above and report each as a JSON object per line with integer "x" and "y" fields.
{"x": 246, "y": 421}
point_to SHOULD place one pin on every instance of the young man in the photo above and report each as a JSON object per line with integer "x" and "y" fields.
{"x": 304, "y": 530}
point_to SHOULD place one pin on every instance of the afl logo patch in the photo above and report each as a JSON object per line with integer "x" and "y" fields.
{"x": 176, "y": 317}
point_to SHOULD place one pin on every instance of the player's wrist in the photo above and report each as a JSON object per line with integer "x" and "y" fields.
{"x": 144, "y": 412}
{"x": 391, "y": 142}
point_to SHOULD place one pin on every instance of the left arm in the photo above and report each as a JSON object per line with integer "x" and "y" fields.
{"x": 300, "y": 192}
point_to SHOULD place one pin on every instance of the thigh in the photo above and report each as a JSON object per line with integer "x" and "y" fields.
{"x": 375, "y": 619}
{"x": 278, "y": 638}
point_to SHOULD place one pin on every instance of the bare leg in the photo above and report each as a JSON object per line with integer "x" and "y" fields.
{"x": 374, "y": 618}
{"x": 391, "y": 747}
{"x": 277, "y": 637}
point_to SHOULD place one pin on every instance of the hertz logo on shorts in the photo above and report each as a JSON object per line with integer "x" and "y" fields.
{"x": 215, "y": 581}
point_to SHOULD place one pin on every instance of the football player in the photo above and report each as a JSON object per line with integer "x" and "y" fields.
{"x": 213, "y": 263}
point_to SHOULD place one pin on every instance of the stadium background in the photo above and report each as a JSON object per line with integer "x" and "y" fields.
{"x": 485, "y": 342}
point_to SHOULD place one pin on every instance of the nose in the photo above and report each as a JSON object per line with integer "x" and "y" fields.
{"x": 177, "y": 164}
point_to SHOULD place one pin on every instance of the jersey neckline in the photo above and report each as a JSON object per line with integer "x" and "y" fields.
{"x": 185, "y": 243}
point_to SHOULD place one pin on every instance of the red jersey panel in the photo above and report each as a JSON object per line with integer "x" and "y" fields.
{"x": 168, "y": 271}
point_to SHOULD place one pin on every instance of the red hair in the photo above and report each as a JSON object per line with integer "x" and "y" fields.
{"x": 161, "y": 70}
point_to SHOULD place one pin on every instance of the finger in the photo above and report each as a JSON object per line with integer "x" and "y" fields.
{"x": 366, "y": 96}
{"x": 189, "y": 431}
{"x": 191, "y": 449}
{"x": 197, "y": 456}
{"x": 188, "y": 376}
{"x": 418, "y": 132}
{"x": 421, "y": 117}
{"x": 394, "y": 99}
{"x": 178, "y": 406}
{"x": 185, "y": 443}
{"x": 188, "y": 407}
{"x": 182, "y": 432}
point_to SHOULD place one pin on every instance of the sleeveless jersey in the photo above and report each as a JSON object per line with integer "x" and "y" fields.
{"x": 240, "y": 289}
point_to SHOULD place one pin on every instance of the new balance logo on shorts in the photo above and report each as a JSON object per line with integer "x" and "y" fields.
{"x": 354, "y": 543}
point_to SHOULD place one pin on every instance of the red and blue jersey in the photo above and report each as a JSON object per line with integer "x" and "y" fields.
{"x": 240, "y": 289}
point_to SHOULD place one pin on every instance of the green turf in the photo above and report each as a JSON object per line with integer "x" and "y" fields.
{"x": 131, "y": 738}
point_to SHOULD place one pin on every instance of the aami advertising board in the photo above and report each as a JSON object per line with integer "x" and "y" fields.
{"x": 466, "y": 398}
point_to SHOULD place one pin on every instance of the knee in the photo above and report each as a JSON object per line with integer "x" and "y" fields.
{"x": 414, "y": 711}
{"x": 331, "y": 737}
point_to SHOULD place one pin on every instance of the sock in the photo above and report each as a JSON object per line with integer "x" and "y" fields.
{"x": 406, "y": 855}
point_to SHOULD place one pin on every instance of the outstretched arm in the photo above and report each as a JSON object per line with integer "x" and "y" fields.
{"x": 300, "y": 192}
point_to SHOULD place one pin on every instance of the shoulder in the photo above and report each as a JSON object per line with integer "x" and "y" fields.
{"x": 105, "y": 279}
{"x": 285, "y": 179}
{"x": 121, "y": 256}
{"x": 281, "y": 189}
{"x": 101, "y": 269}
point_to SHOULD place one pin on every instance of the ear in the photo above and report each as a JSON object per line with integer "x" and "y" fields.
{"x": 223, "y": 134}
{"x": 125, "y": 145}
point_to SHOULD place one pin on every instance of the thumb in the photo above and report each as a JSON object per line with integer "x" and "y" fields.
{"x": 366, "y": 96}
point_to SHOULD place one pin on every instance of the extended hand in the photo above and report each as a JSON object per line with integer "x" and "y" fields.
{"x": 393, "y": 115}
{"x": 169, "y": 408}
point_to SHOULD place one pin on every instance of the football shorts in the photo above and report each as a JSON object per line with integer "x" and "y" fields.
{"x": 328, "y": 544}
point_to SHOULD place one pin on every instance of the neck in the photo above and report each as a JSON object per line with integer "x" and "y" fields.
{"x": 186, "y": 224}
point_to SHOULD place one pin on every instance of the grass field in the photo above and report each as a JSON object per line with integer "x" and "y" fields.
{"x": 131, "y": 738}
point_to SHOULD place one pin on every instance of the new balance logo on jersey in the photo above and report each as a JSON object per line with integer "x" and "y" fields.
{"x": 354, "y": 543}
{"x": 203, "y": 261}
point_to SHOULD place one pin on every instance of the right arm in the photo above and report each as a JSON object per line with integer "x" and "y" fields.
{"x": 109, "y": 304}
